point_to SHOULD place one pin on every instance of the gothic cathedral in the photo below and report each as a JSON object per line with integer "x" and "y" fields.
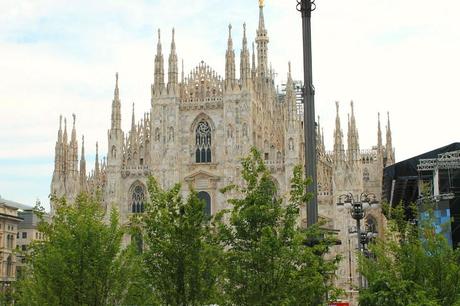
{"x": 198, "y": 129}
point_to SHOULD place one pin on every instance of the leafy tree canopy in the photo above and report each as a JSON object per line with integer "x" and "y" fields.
{"x": 413, "y": 265}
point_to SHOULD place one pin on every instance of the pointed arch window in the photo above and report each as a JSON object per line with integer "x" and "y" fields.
{"x": 137, "y": 199}
{"x": 204, "y": 196}
{"x": 203, "y": 142}
{"x": 372, "y": 225}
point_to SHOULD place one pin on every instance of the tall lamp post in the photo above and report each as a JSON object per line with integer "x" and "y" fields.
{"x": 357, "y": 209}
{"x": 306, "y": 7}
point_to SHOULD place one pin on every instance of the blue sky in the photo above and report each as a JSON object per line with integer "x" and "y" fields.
{"x": 60, "y": 57}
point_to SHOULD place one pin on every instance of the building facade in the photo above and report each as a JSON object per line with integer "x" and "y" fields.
{"x": 27, "y": 232}
{"x": 201, "y": 124}
{"x": 9, "y": 221}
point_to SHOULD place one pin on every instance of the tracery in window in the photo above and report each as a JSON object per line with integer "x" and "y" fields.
{"x": 137, "y": 199}
{"x": 203, "y": 142}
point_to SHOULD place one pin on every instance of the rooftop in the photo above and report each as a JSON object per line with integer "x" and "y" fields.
{"x": 15, "y": 204}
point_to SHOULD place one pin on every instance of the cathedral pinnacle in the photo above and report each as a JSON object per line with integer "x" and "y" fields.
{"x": 60, "y": 129}
{"x": 82, "y": 147}
{"x": 74, "y": 132}
{"x": 159, "y": 80}
{"x": 338, "y": 139}
{"x": 133, "y": 123}
{"x": 230, "y": 42}
{"x": 83, "y": 165}
{"x": 245, "y": 64}
{"x": 261, "y": 3}
{"x": 389, "y": 143}
{"x": 96, "y": 162}
{"x": 183, "y": 73}
{"x": 159, "y": 42}
{"x": 116, "y": 105}
{"x": 65, "y": 131}
{"x": 173, "y": 70}
{"x": 353, "y": 137}
{"x": 245, "y": 40}
{"x": 230, "y": 62}
{"x": 116, "y": 91}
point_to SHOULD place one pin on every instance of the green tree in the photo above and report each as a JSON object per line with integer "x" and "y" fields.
{"x": 413, "y": 265}
{"x": 181, "y": 257}
{"x": 80, "y": 262}
{"x": 267, "y": 261}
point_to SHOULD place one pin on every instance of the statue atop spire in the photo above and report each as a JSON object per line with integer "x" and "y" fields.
{"x": 261, "y": 3}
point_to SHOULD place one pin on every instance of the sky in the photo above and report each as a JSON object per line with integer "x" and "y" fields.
{"x": 60, "y": 57}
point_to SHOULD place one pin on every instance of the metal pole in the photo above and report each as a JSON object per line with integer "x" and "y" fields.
{"x": 358, "y": 232}
{"x": 306, "y": 7}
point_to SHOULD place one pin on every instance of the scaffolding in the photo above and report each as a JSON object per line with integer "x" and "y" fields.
{"x": 444, "y": 161}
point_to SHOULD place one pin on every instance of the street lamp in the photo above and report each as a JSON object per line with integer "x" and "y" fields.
{"x": 357, "y": 209}
{"x": 306, "y": 7}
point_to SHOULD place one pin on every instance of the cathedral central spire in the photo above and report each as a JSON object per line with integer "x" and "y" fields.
{"x": 262, "y": 42}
